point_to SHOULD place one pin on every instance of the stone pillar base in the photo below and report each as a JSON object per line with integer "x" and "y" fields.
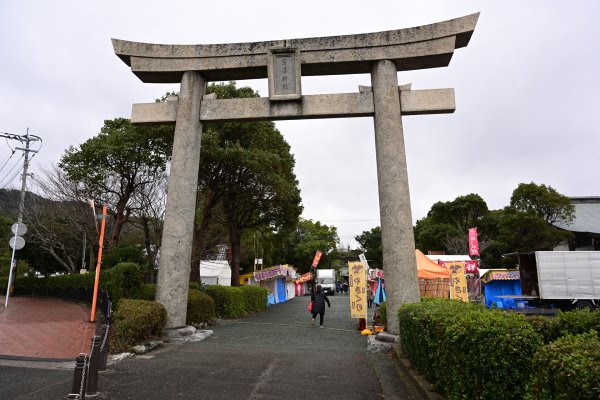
{"x": 186, "y": 334}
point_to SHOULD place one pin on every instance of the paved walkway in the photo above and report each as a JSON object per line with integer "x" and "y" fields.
{"x": 275, "y": 354}
{"x": 44, "y": 329}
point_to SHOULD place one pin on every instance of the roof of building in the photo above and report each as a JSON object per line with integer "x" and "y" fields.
{"x": 587, "y": 216}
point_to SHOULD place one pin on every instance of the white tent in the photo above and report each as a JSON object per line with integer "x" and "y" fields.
{"x": 215, "y": 273}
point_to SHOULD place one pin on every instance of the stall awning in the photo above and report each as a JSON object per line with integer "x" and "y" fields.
{"x": 500, "y": 275}
{"x": 427, "y": 269}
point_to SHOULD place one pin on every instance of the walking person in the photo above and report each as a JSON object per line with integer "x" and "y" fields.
{"x": 318, "y": 307}
{"x": 370, "y": 296}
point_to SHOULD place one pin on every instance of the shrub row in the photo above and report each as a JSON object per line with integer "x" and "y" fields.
{"x": 565, "y": 323}
{"x": 136, "y": 321}
{"x": 122, "y": 281}
{"x": 200, "y": 306}
{"x": 568, "y": 368}
{"x": 467, "y": 351}
{"x": 231, "y": 302}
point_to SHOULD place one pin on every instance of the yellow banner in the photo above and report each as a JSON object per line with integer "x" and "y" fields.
{"x": 358, "y": 289}
{"x": 458, "y": 281}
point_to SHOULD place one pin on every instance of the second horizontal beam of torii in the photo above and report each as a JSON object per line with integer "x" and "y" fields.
{"x": 412, "y": 102}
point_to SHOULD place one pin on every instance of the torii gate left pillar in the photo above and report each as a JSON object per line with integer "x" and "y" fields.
{"x": 381, "y": 54}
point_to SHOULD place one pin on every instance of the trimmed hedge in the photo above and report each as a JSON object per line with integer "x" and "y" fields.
{"x": 229, "y": 300}
{"x": 136, "y": 321}
{"x": 422, "y": 326}
{"x": 255, "y": 298}
{"x": 200, "y": 307}
{"x": 467, "y": 351}
{"x": 122, "y": 281}
{"x": 568, "y": 368}
{"x": 487, "y": 355}
{"x": 565, "y": 323}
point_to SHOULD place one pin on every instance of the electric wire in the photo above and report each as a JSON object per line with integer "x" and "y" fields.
{"x": 6, "y": 162}
{"x": 2, "y": 180}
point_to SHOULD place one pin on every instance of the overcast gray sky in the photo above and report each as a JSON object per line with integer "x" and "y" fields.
{"x": 526, "y": 92}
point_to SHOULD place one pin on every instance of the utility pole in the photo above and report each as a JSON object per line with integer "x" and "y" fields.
{"x": 24, "y": 176}
{"x": 26, "y": 139}
{"x": 19, "y": 228}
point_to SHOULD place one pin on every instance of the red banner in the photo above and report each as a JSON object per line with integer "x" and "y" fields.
{"x": 471, "y": 267}
{"x": 316, "y": 259}
{"x": 473, "y": 243}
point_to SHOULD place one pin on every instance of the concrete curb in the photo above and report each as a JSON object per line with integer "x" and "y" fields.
{"x": 423, "y": 387}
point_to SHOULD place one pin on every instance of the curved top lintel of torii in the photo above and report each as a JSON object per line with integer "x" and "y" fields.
{"x": 426, "y": 46}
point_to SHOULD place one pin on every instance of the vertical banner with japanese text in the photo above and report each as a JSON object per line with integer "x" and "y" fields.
{"x": 473, "y": 242}
{"x": 458, "y": 281}
{"x": 358, "y": 289}
{"x": 363, "y": 259}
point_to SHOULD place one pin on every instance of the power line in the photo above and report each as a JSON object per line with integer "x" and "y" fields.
{"x": 26, "y": 139}
{"x": 14, "y": 176}
{"x": 6, "y": 162}
{"x": 9, "y": 172}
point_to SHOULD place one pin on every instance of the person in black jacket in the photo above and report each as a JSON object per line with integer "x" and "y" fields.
{"x": 319, "y": 299}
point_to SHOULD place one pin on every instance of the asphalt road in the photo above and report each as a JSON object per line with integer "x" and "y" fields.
{"x": 276, "y": 354}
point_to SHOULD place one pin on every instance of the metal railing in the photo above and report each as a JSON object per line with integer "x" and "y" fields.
{"x": 87, "y": 366}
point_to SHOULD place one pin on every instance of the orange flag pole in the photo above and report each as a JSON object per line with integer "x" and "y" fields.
{"x": 97, "y": 278}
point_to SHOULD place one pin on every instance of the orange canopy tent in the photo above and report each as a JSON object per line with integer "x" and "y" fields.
{"x": 427, "y": 269}
{"x": 434, "y": 280}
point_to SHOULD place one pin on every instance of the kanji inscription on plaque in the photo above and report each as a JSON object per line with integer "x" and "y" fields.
{"x": 284, "y": 74}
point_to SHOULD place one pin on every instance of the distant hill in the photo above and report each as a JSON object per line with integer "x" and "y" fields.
{"x": 9, "y": 201}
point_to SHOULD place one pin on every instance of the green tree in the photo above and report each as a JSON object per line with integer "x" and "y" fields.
{"x": 115, "y": 164}
{"x": 544, "y": 201}
{"x": 248, "y": 168}
{"x": 370, "y": 243}
{"x": 299, "y": 246}
{"x": 211, "y": 180}
{"x": 446, "y": 225}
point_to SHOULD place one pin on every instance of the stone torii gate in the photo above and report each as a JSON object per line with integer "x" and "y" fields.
{"x": 284, "y": 62}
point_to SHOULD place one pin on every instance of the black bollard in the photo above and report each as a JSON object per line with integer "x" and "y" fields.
{"x": 92, "y": 380}
{"x": 79, "y": 378}
{"x": 104, "y": 349}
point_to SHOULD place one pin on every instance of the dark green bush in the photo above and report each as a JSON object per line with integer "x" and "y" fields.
{"x": 134, "y": 322}
{"x": 568, "y": 368}
{"x": 486, "y": 355}
{"x": 148, "y": 291}
{"x": 576, "y": 322}
{"x": 546, "y": 327}
{"x": 255, "y": 298}
{"x": 123, "y": 253}
{"x": 422, "y": 327}
{"x": 200, "y": 307}
{"x": 565, "y": 323}
{"x": 229, "y": 301}
{"x": 124, "y": 280}
{"x": 466, "y": 351}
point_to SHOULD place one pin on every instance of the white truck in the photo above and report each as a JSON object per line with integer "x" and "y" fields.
{"x": 561, "y": 279}
{"x": 326, "y": 278}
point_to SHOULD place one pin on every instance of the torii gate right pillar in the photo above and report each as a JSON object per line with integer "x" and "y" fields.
{"x": 401, "y": 281}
